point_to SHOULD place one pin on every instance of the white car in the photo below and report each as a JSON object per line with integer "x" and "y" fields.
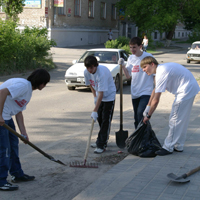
{"x": 194, "y": 53}
{"x": 74, "y": 76}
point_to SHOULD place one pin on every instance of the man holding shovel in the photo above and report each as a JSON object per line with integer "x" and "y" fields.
{"x": 100, "y": 80}
{"x": 141, "y": 84}
{"x": 15, "y": 94}
{"x": 179, "y": 81}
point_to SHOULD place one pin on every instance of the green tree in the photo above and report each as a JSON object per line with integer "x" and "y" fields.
{"x": 161, "y": 15}
{"x": 12, "y": 8}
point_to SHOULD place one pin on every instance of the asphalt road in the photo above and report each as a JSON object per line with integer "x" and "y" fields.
{"x": 58, "y": 121}
{"x": 56, "y": 113}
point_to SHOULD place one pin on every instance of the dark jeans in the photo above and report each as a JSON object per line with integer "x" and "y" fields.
{"x": 105, "y": 113}
{"x": 139, "y": 106}
{"x": 9, "y": 159}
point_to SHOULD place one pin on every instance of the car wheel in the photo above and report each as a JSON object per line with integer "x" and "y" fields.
{"x": 188, "y": 61}
{"x": 129, "y": 82}
{"x": 117, "y": 82}
{"x": 71, "y": 88}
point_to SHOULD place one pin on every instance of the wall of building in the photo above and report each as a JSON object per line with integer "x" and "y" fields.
{"x": 79, "y": 37}
{"x": 33, "y": 16}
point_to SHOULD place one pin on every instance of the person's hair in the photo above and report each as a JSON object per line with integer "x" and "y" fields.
{"x": 148, "y": 60}
{"x": 90, "y": 61}
{"x": 135, "y": 40}
{"x": 38, "y": 77}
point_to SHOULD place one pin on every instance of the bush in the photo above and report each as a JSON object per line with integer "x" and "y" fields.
{"x": 23, "y": 51}
{"x": 195, "y": 35}
{"x": 119, "y": 43}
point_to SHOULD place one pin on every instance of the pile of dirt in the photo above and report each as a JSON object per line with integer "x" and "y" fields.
{"x": 111, "y": 159}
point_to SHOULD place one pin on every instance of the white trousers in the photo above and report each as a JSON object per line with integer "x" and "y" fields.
{"x": 178, "y": 124}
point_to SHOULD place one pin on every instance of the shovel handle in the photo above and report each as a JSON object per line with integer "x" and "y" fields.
{"x": 193, "y": 171}
{"x": 88, "y": 142}
{"x": 121, "y": 99}
{"x": 26, "y": 141}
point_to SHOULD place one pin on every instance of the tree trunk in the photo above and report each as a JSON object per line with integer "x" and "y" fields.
{"x": 170, "y": 36}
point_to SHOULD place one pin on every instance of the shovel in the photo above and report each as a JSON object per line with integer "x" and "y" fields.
{"x": 31, "y": 144}
{"x": 182, "y": 178}
{"x": 121, "y": 135}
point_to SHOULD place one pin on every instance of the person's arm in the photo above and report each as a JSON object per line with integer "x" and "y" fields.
{"x": 153, "y": 104}
{"x": 126, "y": 72}
{"x": 93, "y": 90}
{"x": 3, "y": 95}
{"x": 20, "y": 122}
{"x": 99, "y": 99}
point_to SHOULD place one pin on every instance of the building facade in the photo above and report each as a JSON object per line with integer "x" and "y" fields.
{"x": 73, "y": 22}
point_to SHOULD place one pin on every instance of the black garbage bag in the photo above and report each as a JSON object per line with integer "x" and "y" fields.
{"x": 143, "y": 142}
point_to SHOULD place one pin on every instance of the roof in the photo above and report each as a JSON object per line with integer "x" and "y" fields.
{"x": 196, "y": 42}
{"x": 106, "y": 49}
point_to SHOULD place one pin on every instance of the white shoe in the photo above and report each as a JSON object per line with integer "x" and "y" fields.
{"x": 98, "y": 150}
{"x": 94, "y": 145}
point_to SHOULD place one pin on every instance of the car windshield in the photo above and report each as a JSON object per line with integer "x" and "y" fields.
{"x": 101, "y": 56}
{"x": 196, "y": 46}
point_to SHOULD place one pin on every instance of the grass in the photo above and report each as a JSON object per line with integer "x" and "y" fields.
{"x": 152, "y": 51}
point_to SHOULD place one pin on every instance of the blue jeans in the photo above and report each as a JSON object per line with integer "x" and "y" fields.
{"x": 9, "y": 159}
{"x": 145, "y": 48}
{"x": 139, "y": 106}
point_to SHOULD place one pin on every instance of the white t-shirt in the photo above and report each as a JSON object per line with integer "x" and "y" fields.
{"x": 177, "y": 80}
{"x": 141, "y": 83}
{"x": 20, "y": 94}
{"x": 110, "y": 34}
{"x": 145, "y": 42}
{"x": 102, "y": 81}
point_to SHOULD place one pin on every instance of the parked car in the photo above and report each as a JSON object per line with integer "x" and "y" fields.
{"x": 74, "y": 76}
{"x": 194, "y": 52}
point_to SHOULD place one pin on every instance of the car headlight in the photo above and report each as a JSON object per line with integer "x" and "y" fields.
{"x": 189, "y": 55}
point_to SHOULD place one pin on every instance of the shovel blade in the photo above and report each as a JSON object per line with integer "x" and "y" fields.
{"x": 175, "y": 178}
{"x": 121, "y": 137}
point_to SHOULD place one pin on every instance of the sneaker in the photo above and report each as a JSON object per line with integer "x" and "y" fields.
{"x": 163, "y": 152}
{"x": 9, "y": 187}
{"x": 177, "y": 150}
{"x": 99, "y": 150}
{"x": 23, "y": 178}
{"x": 94, "y": 145}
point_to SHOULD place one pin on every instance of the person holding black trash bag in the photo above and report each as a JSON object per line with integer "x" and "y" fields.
{"x": 141, "y": 84}
{"x": 179, "y": 81}
{"x": 15, "y": 94}
{"x": 100, "y": 81}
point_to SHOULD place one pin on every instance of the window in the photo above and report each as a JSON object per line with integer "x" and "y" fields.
{"x": 103, "y": 10}
{"x": 179, "y": 34}
{"x": 1, "y": 9}
{"x": 123, "y": 55}
{"x": 77, "y": 7}
{"x": 91, "y": 8}
{"x": 61, "y": 10}
{"x": 113, "y": 12}
{"x": 155, "y": 35}
{"x": 182, "y": 34}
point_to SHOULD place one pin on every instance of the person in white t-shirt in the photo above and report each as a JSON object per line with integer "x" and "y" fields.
{"x": 179, "y": 81}
{"x": 145, "y": 43}
{"x": 15, "y": 94}
{"x": 141, "y": 84}
{"x": 110, "y": 34}
{"x": 100, "y": 80}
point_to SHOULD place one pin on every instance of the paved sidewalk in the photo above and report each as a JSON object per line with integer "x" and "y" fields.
{"x": 138, "y": 178}
{"x": 146, "y": 178}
